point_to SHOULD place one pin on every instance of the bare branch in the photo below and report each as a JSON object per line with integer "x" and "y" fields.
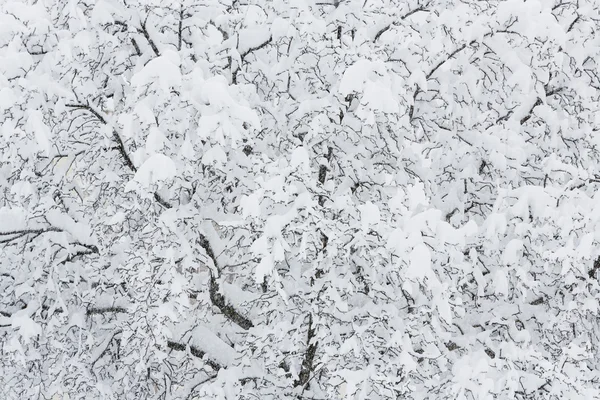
{"x": 116, "y": 136}
{"x": 17, "y": 234}
{"x": 253, "y": 49}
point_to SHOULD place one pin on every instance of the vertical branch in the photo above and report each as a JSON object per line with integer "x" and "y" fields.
{"x": 309, "y": 356}
{"x": 180, "y": 28}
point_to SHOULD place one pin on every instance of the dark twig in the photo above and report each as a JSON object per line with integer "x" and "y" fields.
{"x": 202, "y": 382}
{"x": 539, "y": 102}
{"x": 108, "y": 342}
{"x": 146, "y": 34}
{"x": 408, "y": 14}
{"x": 245, "y": 54}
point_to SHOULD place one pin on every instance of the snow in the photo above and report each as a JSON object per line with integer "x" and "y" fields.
{"x": 13, "y": 219}
{"x": 214, "y": 156}
{"x": 369, "y": 215}
{"x": 40, "y": 131}
{"x": 279, "y": 28}
{"x": 300, "y": 159}
{"x": 378, "y": 96}
{"x": 156, "y": 168}
{"x": 215, "y": 348}
{"x": 104, "y": 12}
{"x": 371, "y": 79}
{"x": 501, "y": 283}
{"x": 156, "y": 141}
{"x": 164, "y": 70}
{"x": 513, "y": 252}
{"x": 80, "y": 231}
{"x": 26, "y": 326}
{"x": 419, "y": 263}
{"x": 453, "y": 245}
{"x": 264, "y": 267}
{"x": 250, "y": 205}
{"x": 7, "y": 99}
{"x": 251, "y": 38}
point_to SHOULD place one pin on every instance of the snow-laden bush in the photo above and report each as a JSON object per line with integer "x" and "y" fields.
{"x": 299, "y": 199}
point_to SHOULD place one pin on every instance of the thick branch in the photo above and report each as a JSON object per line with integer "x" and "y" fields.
{"x": 573, "y": 23}
{"x": 106, "y": 347}
{"x": 205, "y": 244}
{"x": 225, "y": 38}
{"x": 73, "y": 256}
{"x": 28, "y": 231}
{"x": 162, "y": 201}
{"x": 180, "y": 28}
{"x": 216, "y": 298}
{"x": 202, "y": 382}
{"x": 219, "y": 301}
{"x": 537, "y": 301}
{"x": 120, "y": 146}
{"x": 539, "y": 102}
{"x": 309, "y": 356}
{"x": 195, "y": 352}
{"x": 116, "y": 136}
{"x": 105, "y": 310}
{"x": 253, "y": 49}
{"x": 144, "y": 32}
{"x": 17, "y": 234}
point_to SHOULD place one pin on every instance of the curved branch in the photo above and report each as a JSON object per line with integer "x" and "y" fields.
{"x": 120, "y": 146}
{"x": 216, "y": 298}
{"x": 245, "y": 54}
{"x": 408, "y": 14}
